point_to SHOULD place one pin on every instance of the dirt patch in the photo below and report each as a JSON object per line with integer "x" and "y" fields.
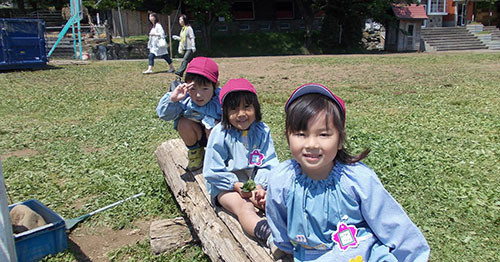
{"x": 92, "y": 149}
{"x": 19, "y": 153}
{"x": 58, "y": 62}
{"x": 93, "y": 244}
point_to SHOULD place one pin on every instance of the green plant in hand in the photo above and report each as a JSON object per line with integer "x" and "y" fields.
{"x": 248, "y": 186}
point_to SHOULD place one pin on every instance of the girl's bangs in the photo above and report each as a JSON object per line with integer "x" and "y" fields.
{"x": 303, "y": 110}
{"x": 234, "y": 99}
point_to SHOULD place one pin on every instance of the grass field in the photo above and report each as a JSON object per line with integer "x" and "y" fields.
{"x": 79, "y": 137}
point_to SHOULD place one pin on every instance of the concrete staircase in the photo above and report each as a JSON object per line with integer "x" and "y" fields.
{"x": 495, "y": 37}
{"x": 495, "y": 32}
{"x": 51, "y": 18}
{"x": 65, "y": 47}
{"x": 54, "y": 23}
{"x": 450, "y": 38}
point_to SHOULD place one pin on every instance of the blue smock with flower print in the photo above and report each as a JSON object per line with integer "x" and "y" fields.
{"x": 229, "y": 150}
{"x": 303, "y": 215}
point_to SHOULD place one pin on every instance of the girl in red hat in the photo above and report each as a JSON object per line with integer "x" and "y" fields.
{"x": 240, "y": 148}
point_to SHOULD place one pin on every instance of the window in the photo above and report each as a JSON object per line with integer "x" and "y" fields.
{"x": 244, "y": 27}
{"x": 437, "y": 6}
{"x": 222, "y": 28}
{"x": 243, "y": 10}
{"x": 284, "y": 26}
{"x": 410, "y": 30}
{"x": 283, "y": 9}
{"x": 265, "y": 27}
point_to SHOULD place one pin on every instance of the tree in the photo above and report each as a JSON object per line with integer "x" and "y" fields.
{"x": 206, "y": 13}
{"x": 343, "y": 24}
{"x": 35, "y": 4}
{"x": 344, "y": 21}
{"x": 308, "y": 9}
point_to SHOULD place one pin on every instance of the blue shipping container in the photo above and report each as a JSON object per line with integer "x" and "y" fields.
{"x": 22, "y": 43}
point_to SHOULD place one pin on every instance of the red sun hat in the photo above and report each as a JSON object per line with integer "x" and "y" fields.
{"x": 313, "y": 88}
{"x": 233, "y": 85}
{"x": 204, "y": 66}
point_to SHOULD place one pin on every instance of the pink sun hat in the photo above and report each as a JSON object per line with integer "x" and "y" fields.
{"x": 313, "y": 88}
{"x": 233, "y": 85}
{"x": 204, "y": 66}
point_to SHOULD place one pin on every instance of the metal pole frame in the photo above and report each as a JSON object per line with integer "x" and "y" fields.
{"x": 121, "y": 21}
{"x": 71, "y": 22}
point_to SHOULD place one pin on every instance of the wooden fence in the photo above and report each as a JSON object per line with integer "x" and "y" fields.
{"x": 137, "y": 23}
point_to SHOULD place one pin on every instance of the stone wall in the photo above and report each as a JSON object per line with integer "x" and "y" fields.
{"x": 374, "y": 38}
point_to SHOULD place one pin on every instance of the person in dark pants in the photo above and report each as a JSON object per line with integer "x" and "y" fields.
{"x": 187, "y": 44}
{"x": 155, "y": 45}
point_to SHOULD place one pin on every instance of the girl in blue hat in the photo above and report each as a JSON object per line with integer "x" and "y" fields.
{"x": 240, "y": 148}
{"x": 325, "y": 205}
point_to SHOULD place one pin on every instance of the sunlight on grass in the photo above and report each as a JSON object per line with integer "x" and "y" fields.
{"x": 431, "y": 121}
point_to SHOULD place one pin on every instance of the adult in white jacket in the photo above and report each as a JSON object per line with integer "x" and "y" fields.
{"x": 157, "y": 44}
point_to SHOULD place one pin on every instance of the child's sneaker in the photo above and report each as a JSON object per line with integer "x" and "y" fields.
{"x": 149, "y": 71}
{"x": 195, "y": 157}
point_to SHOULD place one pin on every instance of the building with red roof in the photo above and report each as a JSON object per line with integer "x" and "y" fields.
{"x": 405, "y": 34}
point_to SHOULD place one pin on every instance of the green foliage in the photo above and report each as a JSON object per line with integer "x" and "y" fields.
{"x": 343, "y": 25}
{"x": 244, "y": 44}
{"x": 158, "y": 6}
{"x": 341, "y": 34}
{"x": 248, "y": 186}
{"x": 141, "y": 252}
{"x": 205, "y": 12}
{"x": 79, "y": 137}
{"x": 253, "y": 44}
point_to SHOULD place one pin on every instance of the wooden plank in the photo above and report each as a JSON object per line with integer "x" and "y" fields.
{"x": 248, "y": 243}
{"x": 220, "y": 233}
{"x": 168, "y": 234}
{"x": 217, "y": 240}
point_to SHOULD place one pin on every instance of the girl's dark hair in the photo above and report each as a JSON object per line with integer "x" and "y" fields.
{"x": 185, "y": 18}
{"x": 198, "y": 79}
{"x": 155, "y": 15}
{"x": 233, "y": 99}
{"x": 305, "y": 108}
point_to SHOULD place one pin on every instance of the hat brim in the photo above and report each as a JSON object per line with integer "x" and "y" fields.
{"x": 311, "y": 89}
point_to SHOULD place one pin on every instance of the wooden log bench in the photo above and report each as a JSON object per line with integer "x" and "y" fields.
{"x": 220, "y": 233}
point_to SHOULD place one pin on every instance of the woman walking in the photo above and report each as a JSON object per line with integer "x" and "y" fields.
{"x": 186, "y": 45}
{"x": 157, "y": 44}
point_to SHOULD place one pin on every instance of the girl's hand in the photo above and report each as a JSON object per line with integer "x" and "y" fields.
{"x": 260, "y": 196}
{"x": 180, "y": 92}
{"x": 237, "y": 187}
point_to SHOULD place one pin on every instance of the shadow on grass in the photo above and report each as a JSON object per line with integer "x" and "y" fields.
{"x": 47, "y": 67}
{"x": 77, "y": 252}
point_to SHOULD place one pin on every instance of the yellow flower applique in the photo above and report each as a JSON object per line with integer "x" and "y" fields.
{"x": 356, "y": 259}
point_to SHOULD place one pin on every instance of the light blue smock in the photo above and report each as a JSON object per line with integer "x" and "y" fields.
{"x": 209, "y": 114}
{"x": 303, "y": 215}
{"x": 228, "y": 151}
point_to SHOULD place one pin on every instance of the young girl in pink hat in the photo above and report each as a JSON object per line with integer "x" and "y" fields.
{"x": 324, "y": 204}
{"x": 240, "y": 148}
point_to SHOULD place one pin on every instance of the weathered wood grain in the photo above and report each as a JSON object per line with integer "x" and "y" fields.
{"x": 220, "y": 233}
{"x": 168, "y": 234}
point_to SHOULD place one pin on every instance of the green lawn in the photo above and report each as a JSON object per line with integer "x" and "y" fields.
{"x": 79, "y": 137}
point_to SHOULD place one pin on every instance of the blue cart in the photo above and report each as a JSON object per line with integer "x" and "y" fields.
{"x": 22, "y": 44}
